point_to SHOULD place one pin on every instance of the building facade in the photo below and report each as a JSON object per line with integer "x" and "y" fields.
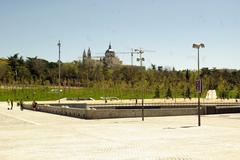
{"x": 110, "y": 58}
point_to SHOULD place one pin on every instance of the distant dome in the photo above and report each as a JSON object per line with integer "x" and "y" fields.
{"x": 110, "y": 58}
{"x": 110, "y": 51}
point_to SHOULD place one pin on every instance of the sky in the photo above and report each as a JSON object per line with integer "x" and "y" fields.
{"x": 168, "y": 27}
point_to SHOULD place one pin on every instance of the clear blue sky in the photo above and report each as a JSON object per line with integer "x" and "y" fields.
{"x": 33, "y": 27}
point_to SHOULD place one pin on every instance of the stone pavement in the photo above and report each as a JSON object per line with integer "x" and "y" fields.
{"x": 28, "y": 135}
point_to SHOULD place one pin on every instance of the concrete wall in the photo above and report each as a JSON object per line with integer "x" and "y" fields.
{"x": 72, "y": 112}
{"x": 125, "y": 113}
{"x": 113, "y": 113}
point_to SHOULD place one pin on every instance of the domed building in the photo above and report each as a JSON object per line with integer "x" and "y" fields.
{"x": 110, "y": 57}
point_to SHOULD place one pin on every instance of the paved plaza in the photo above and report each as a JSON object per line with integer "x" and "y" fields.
{"x": 29, "y": 135}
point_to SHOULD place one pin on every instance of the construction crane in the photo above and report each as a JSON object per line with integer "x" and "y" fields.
{"x": 131, "y": 52}
{"x": 134, "y": 51}
{"x": 127, "y": 52}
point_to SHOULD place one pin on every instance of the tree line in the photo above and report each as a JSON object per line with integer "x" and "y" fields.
{"x": 165, "y": 82}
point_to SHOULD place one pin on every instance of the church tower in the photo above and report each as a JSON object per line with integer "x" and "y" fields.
{"x": 89, "y": 54}
{"x": 84, "y": 56}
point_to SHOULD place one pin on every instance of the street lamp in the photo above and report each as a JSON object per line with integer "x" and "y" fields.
{"x": 59, "y": 69}
{"x": 141, "y": 59}
{"x": 198, "y": 82}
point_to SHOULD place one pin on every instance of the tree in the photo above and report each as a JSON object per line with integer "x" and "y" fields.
{"x": 4, "y": 68}
{"x": 106, "y": 71}
{"x": 52, "y": 72}
{"x": 160, "y": 68}
{"x": 157, "y": 92}
{"x": 168, "y": 93}
{"x": 38, "y": 68}
{"x": 15, "y": 62}
{"x": 153, "y": 67}
{"x": 237, "y": 95}
{"x": 93, "y": 73}
{"x": 187, "y": 76}
{"x": 223, "y": 89}
{"x": 188, "y": 93}
{"x": 69, "y": 72}
{"x": 98, "y": 73}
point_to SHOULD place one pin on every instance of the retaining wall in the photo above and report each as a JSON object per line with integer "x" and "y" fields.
{"x": 113, "y": 113}
{"x": 72, "y": 112}
{"x": 126, "y": 113}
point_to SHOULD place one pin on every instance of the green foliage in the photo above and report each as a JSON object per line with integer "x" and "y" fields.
{"x": 237, "y": 96}
{"x": 188, "y": 93}
{"x": 168, "y": 93}
{"x": 223, "y": 89}
{"x": 157, "y": 92}
{"x": 187, "y": 76}
{"x": 39, "y": 93}
{"x": 96, "y": 78}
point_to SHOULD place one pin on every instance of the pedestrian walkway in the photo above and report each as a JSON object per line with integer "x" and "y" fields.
{"x": 34, "y": 135}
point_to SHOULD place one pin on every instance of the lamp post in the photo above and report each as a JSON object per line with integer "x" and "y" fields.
{"x": 198, "y": 82}
{"x": 141, "y": 59}
{"x": 59, "y": 69}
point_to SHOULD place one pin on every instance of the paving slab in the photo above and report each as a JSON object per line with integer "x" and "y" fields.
{"x": 28, "y": 135}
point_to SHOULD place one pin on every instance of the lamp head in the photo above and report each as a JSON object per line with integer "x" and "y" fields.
{"x": 59, "y": 43}
{"x": 201, "y": 45}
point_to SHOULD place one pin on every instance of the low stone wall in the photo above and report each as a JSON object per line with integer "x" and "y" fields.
{"x": 126, "y": 113}
{"x": 88, "y": 113}
{"x": 72, "y": 112}
{"x": 222, "y": 110}
{"x": 113, "y": 113}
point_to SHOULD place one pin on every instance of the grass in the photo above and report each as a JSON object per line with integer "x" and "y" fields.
{"x": 41, "y": 93}
{"x": 51, "y": 93}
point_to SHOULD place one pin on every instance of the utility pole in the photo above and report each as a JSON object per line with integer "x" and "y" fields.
{"x": 141, "y": 59}
{"x": 59, "y": 69}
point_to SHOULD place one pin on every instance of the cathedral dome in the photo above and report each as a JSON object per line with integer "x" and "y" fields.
{"x": 110, "y": 51}
{"x": 110, "y": 58}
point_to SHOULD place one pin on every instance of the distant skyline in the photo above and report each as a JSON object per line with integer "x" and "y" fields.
{"x": 33, "y": 28}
